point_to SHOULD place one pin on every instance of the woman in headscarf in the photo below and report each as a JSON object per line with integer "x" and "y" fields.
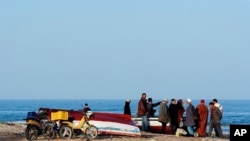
{"x": 127, "y": 110}
{"x": 180, "y": 110}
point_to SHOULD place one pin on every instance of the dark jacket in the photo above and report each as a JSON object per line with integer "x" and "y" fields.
{"x": 173, "y": 113}
{"x": 150, "y": 108}
{"x": 86, "y": 109}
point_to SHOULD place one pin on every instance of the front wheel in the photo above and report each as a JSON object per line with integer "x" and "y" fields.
{"x": 65, "y": 132}
{"x": 49, "y": 132}
{"x": 31, "y": 132}
{"x": 91, "y": 132}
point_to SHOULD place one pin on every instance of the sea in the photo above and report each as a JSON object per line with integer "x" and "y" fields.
{"x": 234, "y": 111}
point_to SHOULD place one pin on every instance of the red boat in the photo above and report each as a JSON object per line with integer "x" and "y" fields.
{"x": 107, "y": 123}
{"x": 114, "y": 123}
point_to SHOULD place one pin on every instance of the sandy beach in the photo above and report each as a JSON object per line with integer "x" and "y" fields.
{"x": 15, "y": 132}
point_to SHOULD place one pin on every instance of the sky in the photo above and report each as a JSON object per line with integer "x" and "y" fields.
{"x": 119, "y": 49}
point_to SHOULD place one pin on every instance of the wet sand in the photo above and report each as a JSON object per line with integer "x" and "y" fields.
{"x": 15, "y": 132}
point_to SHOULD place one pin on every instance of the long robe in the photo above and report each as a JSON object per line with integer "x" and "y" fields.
{"x": 202, "y": 112}
{"x": 127, "y": 108}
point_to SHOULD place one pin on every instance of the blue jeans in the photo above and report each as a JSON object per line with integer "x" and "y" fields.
{"x": 145, "y": 123}
{"x": 190, "y": 130}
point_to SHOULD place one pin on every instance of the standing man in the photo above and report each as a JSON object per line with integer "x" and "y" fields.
{"x": 150, "y": 107}
{"x": 173, "y": 113}
{"x": 202, "y": 112}
{"x": 86, "y": 108}
{"x": 164, "y": 115}
{"x": 218, "y": 105}
{"x": 191, "y": 116}
{"x": 216, "y": 116}
{"x": 142, "y": 112}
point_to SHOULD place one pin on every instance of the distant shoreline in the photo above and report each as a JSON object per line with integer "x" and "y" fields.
{"x": 155, "y": 99}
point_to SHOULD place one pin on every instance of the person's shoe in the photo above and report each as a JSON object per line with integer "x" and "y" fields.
{"x": 196, "y": 134}
{"x": 213, "y": 135}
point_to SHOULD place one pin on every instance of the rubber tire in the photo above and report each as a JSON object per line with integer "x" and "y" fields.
{"x": 65, "y": 132}
{"x": 91, "y": 132}
{"x": 48, "y": 131}
{"x": 31, "y": 132}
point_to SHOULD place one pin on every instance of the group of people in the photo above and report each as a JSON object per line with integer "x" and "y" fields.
{"x": 198, "y": 117}
{"x": 195, "y": 119}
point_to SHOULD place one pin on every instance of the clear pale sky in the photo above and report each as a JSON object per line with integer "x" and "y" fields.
{"x": 110, "y": 49}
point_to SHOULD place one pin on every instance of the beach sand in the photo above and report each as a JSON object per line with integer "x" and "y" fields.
{"x": 15, "y": 132}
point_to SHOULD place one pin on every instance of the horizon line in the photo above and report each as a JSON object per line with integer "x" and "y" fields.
{"x": 111, "y": 99}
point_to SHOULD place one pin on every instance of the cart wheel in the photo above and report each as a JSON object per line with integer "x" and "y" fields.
{"x": 91, "y": 132}
{"x": 31, "y": 132}
{"x": 49, "y": 132}
{"x": 65, "y": 132}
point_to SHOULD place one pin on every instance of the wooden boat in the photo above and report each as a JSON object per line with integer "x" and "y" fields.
{"x": 115, "y": 124}
{"x": 107, "y": 123}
